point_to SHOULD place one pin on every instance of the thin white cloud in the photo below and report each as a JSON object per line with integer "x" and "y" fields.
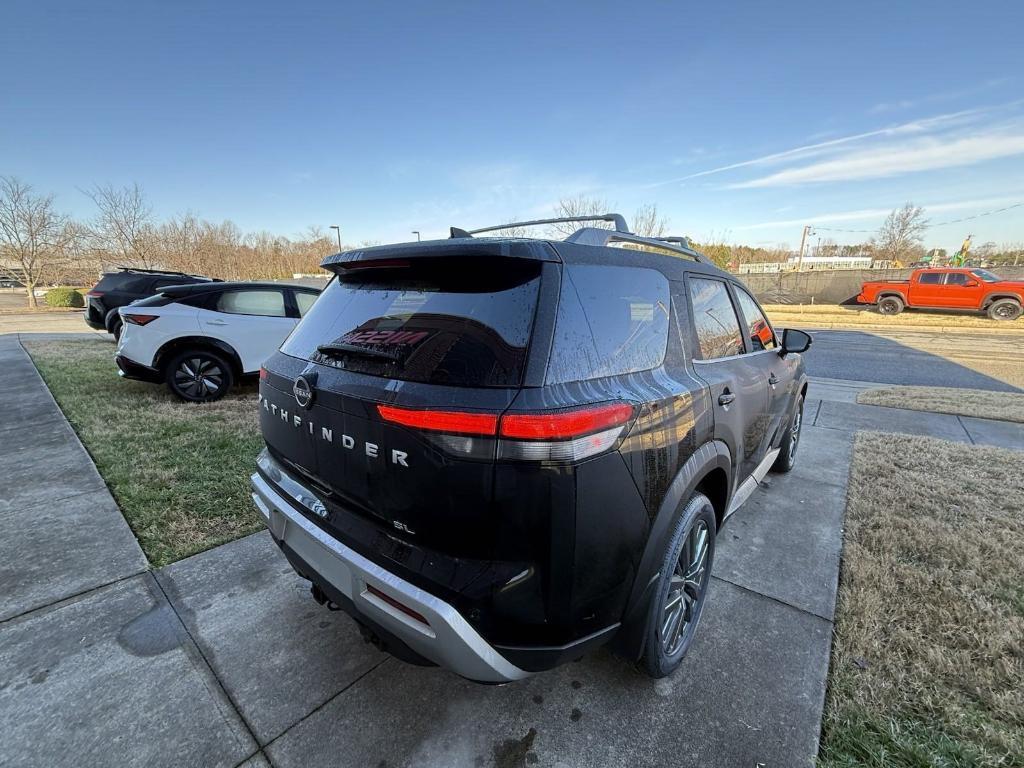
{"x": 922, "y": 126}
{"x": 900, "y": 158}
{"x": 878, "y": 213}
{"x": 903, "y": 104}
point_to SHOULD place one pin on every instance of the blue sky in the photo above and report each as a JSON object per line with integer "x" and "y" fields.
{"x": 740, "y": 124}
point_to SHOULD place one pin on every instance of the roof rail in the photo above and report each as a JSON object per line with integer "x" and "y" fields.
{"x": 595, "y": 236}
{"x": 616, "y": 218}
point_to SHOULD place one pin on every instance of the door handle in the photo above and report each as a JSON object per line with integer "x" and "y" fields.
{"x": 773, "y": 379}
{"x": 726, "y": 397}
{"x": 215, "y": 322}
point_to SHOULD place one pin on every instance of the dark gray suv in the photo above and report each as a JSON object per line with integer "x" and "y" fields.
{"x": 499, "y": 453}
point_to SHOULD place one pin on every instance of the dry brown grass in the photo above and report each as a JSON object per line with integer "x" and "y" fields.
{"x": 928, "y": 655}
{"x": 1007, "y": 406}
{"x": 811, "y": 315}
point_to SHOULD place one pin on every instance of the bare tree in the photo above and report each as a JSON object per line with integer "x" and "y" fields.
{"x": 581, "y": 205}
{"x": 647, "y": 222}
{"x": 124, "y": 227}
{"x": 901, "y": 234}
{"x": 35, "y": 240}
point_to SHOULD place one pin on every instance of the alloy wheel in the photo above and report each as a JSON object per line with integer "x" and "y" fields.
{"x": 794, "y": 432}
{"x": 686, "y": 589}
{"x": 199, "y": 377}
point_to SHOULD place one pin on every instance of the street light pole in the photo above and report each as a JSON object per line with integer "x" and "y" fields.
{"x": 417, "y": 233}
{"x": 337, "y": 229}
{"x": 803, "y": 242}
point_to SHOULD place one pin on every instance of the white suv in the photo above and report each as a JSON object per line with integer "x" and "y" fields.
{"x": 200, "y": 339}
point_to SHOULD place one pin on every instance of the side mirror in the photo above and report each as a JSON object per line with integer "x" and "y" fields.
{"x": 971, "y": 284}
{"x": 795, "y": 341}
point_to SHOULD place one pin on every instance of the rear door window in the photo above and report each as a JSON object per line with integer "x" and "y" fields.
{"x": 611, "y": 320}
{"x": 267, "y": 303}
{"x": 718, "y": 329}
{"x": 460, "y": 322}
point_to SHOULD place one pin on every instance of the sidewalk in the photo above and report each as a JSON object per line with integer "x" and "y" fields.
{"x": 223, "y": 659}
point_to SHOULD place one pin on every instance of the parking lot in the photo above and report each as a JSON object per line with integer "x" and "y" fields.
{"x": 224, "y": 659}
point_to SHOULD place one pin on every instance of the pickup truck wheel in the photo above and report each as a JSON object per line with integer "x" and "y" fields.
{"x": 1004, "y": 309}
{"x": 682, "y": 587}
{"x": 890, "y": 305}
{"x": 199, "y": 376}
{"x": 790, "y": 441}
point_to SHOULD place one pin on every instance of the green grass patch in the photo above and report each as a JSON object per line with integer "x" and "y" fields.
{"x": 179, "y": 471}
{"x": 928, "y": 654}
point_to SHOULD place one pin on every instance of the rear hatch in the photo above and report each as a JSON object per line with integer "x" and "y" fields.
{"x": 408, "y": 366}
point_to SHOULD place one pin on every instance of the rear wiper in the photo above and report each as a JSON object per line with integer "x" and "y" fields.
{"x": 338, "y": 350}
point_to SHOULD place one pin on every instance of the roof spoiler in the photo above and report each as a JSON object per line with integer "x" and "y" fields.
{"x": 616, "y": 218}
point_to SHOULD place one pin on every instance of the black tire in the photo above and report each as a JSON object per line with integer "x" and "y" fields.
{"x": 681, "y": 588}
{"x": 890, "y": 305}
{"x": 1004, "y": 309}
{"x": 199, "y": 375}
{"x": 114, "y": 324}
{"x": 791, "y": 440}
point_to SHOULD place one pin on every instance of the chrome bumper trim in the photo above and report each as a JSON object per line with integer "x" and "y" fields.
{"x": 447, "y": 639}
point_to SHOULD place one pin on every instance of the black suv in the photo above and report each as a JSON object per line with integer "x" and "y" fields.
{"x": 499, "y": 453}
{"x": 118, "y": 289}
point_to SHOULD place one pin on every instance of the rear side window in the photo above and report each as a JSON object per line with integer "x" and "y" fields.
{"x": 718, "y": 329}
{"x": 930, "y": 277}
{"x": 266, "y": 303}
{"x": 611, "y": 320}
{"x": 459, "y": 322}
{"x": 304, "y": 301}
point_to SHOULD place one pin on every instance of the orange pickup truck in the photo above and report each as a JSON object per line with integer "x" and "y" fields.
{"x": 972, "y": 289}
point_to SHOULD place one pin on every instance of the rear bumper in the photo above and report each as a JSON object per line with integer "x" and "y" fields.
{"x": 443, "y": 637}
{"x": 129, "y": 369}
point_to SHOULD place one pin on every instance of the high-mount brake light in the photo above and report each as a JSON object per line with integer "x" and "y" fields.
{"x": 453, "y": 422}
{"x": 139, "y": 319}
{"x": 563, "y": 425}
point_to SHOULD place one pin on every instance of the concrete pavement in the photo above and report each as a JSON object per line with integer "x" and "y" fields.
{"x": 224, "y": 659}
{"x": 929, "y": 358}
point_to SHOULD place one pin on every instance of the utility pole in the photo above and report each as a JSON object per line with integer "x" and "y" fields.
{"x": 803, "y": 243}
{"x": 337, "y": 229}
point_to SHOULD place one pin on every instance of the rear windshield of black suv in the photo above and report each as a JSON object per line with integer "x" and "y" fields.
{"x": 458, "y": 322}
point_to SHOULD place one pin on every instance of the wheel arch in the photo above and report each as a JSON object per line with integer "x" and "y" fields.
{"x": 172, "y": 347}
{"x": 709, "y": 471}
{"x": 992, "y": 298}
{"x": 890, "y": 293}
{"x": 110, "y": 317}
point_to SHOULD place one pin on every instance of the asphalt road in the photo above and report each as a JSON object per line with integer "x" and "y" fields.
{"x": 930, "y": 358}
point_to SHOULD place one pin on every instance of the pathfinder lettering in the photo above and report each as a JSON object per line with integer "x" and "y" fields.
{"x": 327, "y": 433}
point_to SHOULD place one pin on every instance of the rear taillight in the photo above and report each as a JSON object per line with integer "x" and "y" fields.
{"x": 139, "y": 319}
{"x": 263, "y": 373}
{"x": 94, "y": 294}
{"x": 452, "y": 422}
{"x": 564, "y": 435}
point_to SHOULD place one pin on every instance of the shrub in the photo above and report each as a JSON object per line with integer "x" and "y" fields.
{"x": 64, "y": 297}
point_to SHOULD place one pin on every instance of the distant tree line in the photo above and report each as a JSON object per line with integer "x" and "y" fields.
{"x": 41, "y": 245}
